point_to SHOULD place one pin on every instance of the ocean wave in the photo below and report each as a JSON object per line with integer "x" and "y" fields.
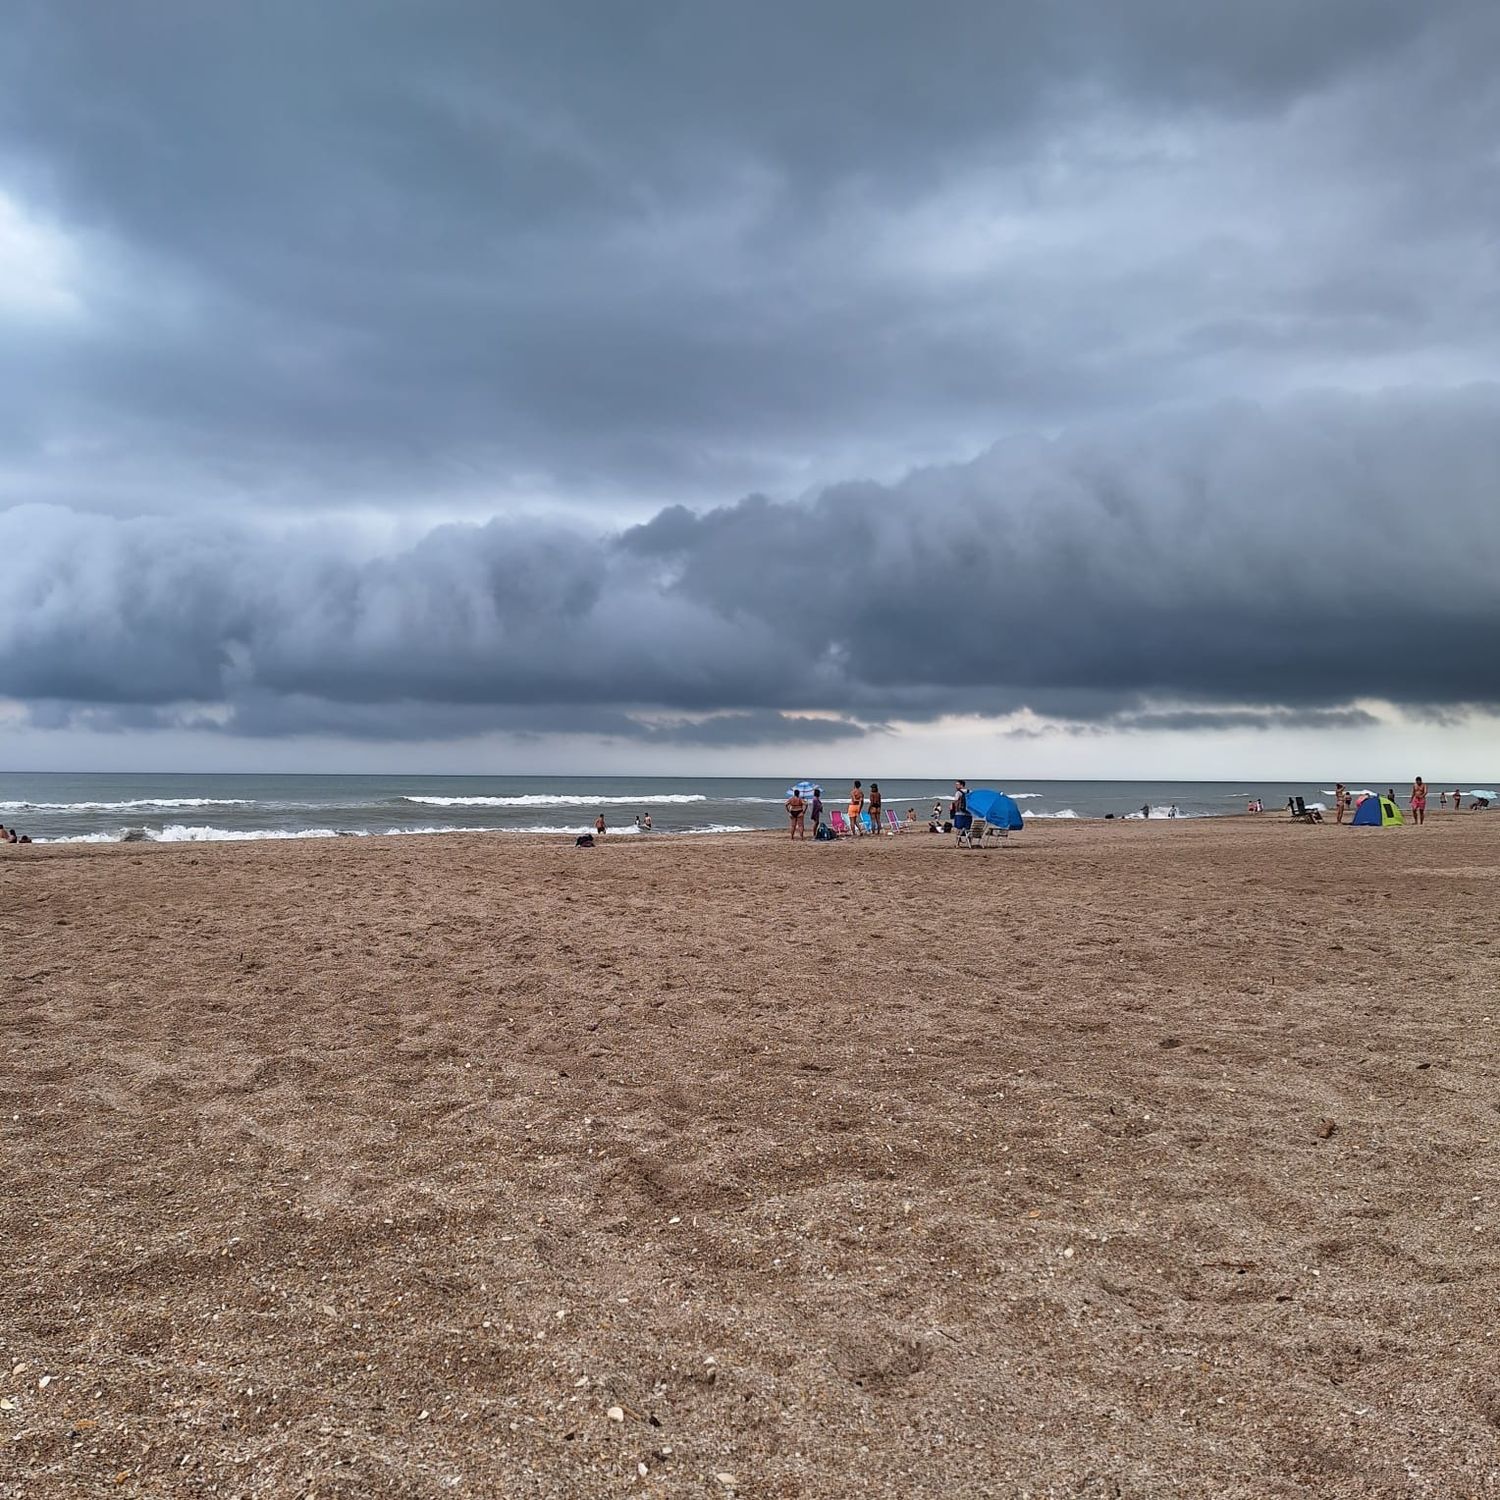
{"x": 136, "y": 803}
{"x": 181, "y": 833}
{"x": 1067, "y": 812}
{"x": 1162, "y": 811}
{"x": 549, "y": 799}
{"x": 1023, "y": 796}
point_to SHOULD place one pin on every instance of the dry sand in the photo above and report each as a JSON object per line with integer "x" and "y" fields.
{"x": 1129, "y": 1160}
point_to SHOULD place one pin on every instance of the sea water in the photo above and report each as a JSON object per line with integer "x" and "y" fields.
{"x": 167, "y": 808}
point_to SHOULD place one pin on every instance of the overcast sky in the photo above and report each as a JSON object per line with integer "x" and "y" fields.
{"x": 1082, "y": 388}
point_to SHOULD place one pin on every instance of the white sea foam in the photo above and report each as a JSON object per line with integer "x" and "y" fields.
{"x": 1022, "y": 796}
{"x": 549, "y": 799}
{"x": 165, "y": 803}
{"x": 1066, "y": 812}
{"x": 180, "y": 833}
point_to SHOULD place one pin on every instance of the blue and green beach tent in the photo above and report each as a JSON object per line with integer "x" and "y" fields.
{"x": 1377, "y": 812}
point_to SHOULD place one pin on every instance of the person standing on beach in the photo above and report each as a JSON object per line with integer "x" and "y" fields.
{"x": 856, "y": 801}
{"x": 599, "y": 826}
{"x": 796, "y": 808}
{"x": 875, "y": 806}
{"x": 958, "y": 810}
{"x": 1340, "y": 801}
{"x": 1458, "y": 799}
{"x": 817, "y": 810}
{"x": 1419, "y": 800}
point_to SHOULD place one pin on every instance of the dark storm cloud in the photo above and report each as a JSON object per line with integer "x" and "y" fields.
{"x": 1229, "y": 567}
{"x": 444, "y": 255}
{"x": 1281, "y": 718}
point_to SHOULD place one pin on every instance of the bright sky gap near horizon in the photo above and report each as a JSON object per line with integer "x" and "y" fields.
{"x": 1081, "y": 390}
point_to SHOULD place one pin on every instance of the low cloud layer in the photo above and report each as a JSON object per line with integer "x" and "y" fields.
{"x": 461, "y": 257}
{"x": 1244, "y": 565}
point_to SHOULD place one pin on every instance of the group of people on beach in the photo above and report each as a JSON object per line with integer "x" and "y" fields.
{"x": 11, "y": 836}
{"x": 642, "y": 825}
{"x": 1344, "y": 800}
{"x": 801, "y": 808}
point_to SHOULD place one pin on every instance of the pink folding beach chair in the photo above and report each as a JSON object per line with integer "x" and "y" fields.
{"x": 893, "y": 824}
{"x": 839, "y": 824}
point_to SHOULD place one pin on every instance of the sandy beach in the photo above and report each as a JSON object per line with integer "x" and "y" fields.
{"x": 1125, "y": 1161}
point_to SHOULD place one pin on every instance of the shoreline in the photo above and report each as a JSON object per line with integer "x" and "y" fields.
{"x": 277, "y": 836}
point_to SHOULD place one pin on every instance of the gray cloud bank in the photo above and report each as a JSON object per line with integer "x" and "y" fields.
{"x": 465, "y": 255}
{"x": 1299, "y": 556}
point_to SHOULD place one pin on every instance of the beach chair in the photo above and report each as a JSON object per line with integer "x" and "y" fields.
{"x": 865, "y": 825}
{"x": 892, "y": 822}
{"x": 839, "y": 824}
{"x": 1302, "y": 813}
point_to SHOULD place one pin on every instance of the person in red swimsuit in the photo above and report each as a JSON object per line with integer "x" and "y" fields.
{"x": 1419, "y": 801}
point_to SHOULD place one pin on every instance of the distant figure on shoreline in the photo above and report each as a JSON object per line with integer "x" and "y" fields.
{"x": 643, "y": 822}
{"x": 599, "y": 826}
{"x": 1145, "y": 809}
{"x": 1443, "y": 798}
{"x": 874, "y": 806}
{"x": 856, "y": 801}
{"x": 1340, "y": 801}
{"x": 817, "y": 810}
{"x": 1419, "y": 801}
{"x": 1458, "y": 799}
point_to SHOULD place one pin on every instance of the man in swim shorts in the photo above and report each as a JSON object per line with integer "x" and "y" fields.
{"x": 1419, "y": 800}
{"x": 958, "y": 810}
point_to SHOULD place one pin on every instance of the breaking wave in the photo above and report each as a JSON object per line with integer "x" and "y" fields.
{"x": 549, "y": 799}
{"x": 181, "y": 833}
{"x": 135, "y": 804}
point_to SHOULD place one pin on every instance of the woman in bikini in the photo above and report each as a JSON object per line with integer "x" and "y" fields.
{"x": 1419, "y": 800}
{"x": 796, "y": 809}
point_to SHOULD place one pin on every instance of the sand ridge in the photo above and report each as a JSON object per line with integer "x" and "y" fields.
{"x": 1128, "y": 1160}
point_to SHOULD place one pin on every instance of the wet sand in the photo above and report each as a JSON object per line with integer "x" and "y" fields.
{"x": 1129, "y": 1160}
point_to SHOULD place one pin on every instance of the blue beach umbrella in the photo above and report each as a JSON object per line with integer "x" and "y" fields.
{"x": 995, "y": 808}
{"x": 807, "y": 788}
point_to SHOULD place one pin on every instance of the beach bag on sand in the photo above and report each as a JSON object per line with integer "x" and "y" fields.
{"x": 584, "y": 841}
{"x": 825, "y": 833}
